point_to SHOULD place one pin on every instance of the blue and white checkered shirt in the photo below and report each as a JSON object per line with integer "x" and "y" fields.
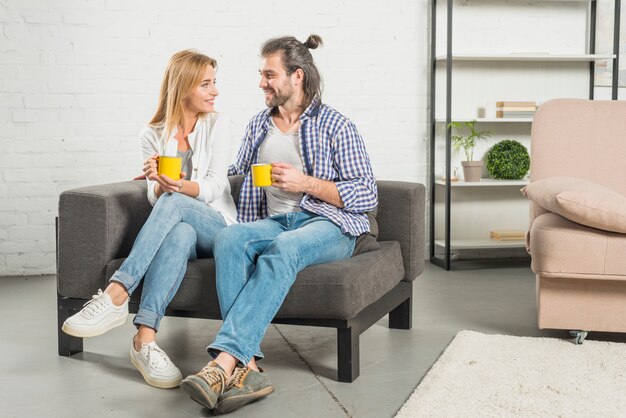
{"x": 332, "y": 149}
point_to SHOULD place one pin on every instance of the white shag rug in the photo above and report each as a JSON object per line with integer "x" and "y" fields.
{"x": 481, "y": 375}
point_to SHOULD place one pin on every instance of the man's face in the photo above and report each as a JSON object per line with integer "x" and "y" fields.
{"x": 276, "y": 84}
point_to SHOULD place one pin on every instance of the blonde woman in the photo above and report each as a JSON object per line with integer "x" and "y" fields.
{"x": 186, "y": 216}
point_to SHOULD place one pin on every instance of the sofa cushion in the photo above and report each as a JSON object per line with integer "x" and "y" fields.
{"x": 340, "y": 289}
{"x": 562, "y": 248}
{"x": 581, "y": 201}
{"x": 369, "y": 241}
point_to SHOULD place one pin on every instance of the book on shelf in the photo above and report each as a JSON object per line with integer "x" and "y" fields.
{"x": 500, "y": 114}
{"x": 507, "y": 235}
{"x": 516, "y": 104}
{"x": 517, "y": 109}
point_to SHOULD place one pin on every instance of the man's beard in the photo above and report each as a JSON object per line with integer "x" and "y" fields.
{"x": 278, "y": 99}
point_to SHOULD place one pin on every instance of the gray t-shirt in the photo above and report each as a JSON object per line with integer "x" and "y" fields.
{"x": 280, "y": 147}
{"x": 187, "y": 165}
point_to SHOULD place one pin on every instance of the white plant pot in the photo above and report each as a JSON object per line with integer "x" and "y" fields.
{"x": 472, "y": 170}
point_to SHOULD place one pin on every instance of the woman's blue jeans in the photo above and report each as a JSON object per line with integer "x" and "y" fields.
{"x": 179, "y": 228}
{"x": 256, "y": 263}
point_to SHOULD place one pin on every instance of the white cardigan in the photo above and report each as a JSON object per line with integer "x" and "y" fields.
{"x": 210, "y": 144}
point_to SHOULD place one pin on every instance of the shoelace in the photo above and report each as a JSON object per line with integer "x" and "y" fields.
{"x": 214, "y": 375}
{"x": 237, "y": 377}
{"x": 95, "y": 305}
{"x": 157, "y": 358}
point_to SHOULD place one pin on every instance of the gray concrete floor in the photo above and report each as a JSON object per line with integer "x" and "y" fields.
{"x": 36, "y": 382}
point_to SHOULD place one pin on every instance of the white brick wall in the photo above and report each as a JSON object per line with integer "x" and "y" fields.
{"x": 79, "y": 78}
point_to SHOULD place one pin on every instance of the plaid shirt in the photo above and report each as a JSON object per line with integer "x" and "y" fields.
{"x": 331, "y": 149}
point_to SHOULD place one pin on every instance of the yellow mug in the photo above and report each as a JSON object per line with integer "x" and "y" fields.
{"x": 170, "y": 167}
{"x": 261, "y": 175}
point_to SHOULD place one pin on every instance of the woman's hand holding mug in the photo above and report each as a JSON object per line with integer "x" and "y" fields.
{"x": 170, "y": 186}
{"x": 151, "y": 171}
{"x": 150, "y": 167}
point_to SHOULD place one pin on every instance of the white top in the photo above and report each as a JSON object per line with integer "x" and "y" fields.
{"x": 284, "y": 148}
{"x": 210, "y": 145}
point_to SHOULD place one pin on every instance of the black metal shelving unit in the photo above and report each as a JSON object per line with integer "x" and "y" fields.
{"x": 445, "y": 261}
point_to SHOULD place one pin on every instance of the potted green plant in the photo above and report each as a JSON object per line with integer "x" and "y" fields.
{"x": 471, "y": 169}
{"x": 508, "y": 160}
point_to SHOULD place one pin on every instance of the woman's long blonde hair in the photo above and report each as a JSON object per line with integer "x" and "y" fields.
{"x": 184, "y": 72}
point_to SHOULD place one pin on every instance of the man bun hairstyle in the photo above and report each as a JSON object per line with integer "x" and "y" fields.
{"x": 313, "y": 41}
{"x": 294, "y": 55}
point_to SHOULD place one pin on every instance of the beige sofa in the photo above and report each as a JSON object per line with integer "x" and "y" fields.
{"x": 581, "y": 271}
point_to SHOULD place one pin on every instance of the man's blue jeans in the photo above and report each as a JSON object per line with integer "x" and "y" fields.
{"x": 180, "y": 228}
{"x": 256, "y": 264}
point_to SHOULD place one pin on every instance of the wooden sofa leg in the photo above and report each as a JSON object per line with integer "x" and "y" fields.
{"x": 347, "y": 354}
{"x": 401, "y": 317}
{"x": 68, "y": 345}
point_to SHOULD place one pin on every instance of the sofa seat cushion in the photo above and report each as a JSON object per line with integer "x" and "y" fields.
{"x": 337, "y": 290}
{"x": 562, "y": 248}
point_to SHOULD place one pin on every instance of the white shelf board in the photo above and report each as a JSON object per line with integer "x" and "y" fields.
{"x": 527, "y": 57}
{"x": 489, "y": 120}
{"x": 479, "y": 243}
{"x": 483, "y": 183}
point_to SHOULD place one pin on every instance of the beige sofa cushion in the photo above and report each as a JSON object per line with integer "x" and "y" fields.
{"x": 561, "y": 248}
{"x": 581, "y": 201}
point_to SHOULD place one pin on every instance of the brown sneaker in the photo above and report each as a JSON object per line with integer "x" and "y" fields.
{"x": 245, "y": 386}
{"x": 206, "y": 386}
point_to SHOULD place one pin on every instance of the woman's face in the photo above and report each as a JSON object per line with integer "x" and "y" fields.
{"x": 201, "y": 99}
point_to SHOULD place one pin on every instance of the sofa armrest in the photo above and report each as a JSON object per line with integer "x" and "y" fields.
{"x": 96, "y": 224}
{"x": 401, "y": 217}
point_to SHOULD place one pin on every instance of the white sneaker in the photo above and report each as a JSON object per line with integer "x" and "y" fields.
{"x": 155, "y": 366}
{"x": 97, "y": 317}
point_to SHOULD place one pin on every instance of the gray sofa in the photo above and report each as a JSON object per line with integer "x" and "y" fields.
{"x": 97, "y": 226}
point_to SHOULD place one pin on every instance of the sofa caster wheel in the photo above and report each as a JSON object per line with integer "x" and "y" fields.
{"x": 579, "y": 336}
